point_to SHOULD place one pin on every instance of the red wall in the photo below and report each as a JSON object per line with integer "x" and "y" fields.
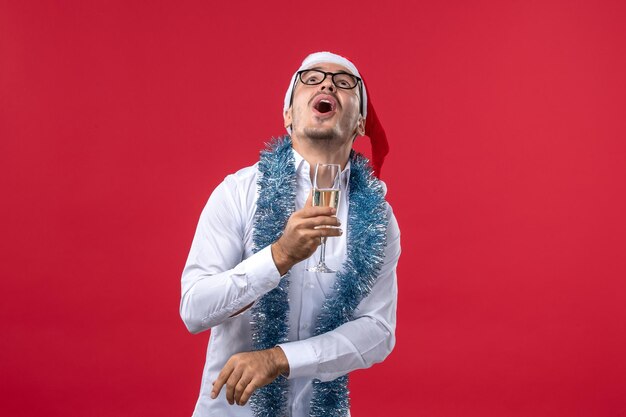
{"x": 507, "y": 175}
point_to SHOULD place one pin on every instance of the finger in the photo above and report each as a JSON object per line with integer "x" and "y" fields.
{"x": 312, "y": 222}
{"x": 324, "y": 231}
{"x": 241, "y": 387}
{"x": 252, "y": 386}
{"x": 221, "y": 380}
{"x": 313, "y": 211}
{"x": 232, "y": 382}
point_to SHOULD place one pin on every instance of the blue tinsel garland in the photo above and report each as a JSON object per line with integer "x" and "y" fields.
{"x": 367, "y": 226}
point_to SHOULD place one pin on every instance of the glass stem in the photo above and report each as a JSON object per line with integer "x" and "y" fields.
{"x": 323, "y": 252}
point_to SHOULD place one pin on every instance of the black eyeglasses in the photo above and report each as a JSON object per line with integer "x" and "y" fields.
{"x": 340, "y": 79}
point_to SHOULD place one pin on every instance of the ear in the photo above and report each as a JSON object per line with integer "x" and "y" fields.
{"x": 287, "y": 117}
{"x": 360, "y": 126}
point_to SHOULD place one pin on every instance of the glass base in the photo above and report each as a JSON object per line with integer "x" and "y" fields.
{"x": 321, "y": 267}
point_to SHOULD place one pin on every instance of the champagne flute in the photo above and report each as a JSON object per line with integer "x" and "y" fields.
{"x": 325, "y": 194}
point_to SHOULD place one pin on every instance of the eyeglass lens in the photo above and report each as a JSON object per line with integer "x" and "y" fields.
{"x": 340, "y": 79}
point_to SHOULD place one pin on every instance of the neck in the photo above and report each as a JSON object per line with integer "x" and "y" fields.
{"x": 316, "y": 151}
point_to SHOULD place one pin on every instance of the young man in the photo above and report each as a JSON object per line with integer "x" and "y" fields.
{"x": 283, "y": 339}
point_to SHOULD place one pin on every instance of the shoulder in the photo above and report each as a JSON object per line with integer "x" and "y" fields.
{"x": 240, "y": 183}
{"x": 231, "y": 201}
{"x": 393, "y": 229}
{"x": 384, "y": 187}
{"x": 235, "y": 190}
{"x": 243, "y": 177}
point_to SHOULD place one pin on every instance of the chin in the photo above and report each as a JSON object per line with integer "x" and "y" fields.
{"x": 320, "y": 133}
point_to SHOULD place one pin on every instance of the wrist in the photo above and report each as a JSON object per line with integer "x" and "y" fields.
{"x": 282, "y": 260}
{"x": 280, "y": 359}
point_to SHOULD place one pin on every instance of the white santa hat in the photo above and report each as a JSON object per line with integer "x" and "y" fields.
{"x": 324, "y": 58}
{"x": 373, "y": 129}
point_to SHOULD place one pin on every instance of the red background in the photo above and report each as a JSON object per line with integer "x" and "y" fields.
{"x": 506, "y": 122}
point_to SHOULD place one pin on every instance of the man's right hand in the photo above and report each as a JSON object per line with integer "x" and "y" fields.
{"x": 303, "y": 235}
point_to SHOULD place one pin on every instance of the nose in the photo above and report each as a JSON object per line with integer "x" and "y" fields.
{"x": 327, "y": 84}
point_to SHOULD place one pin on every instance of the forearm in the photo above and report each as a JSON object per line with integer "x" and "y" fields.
{"x": 355, "y": 345}
{"x": 208, "y": 298}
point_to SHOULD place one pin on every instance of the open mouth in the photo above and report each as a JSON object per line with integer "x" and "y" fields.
{"x": 324, "y": 104}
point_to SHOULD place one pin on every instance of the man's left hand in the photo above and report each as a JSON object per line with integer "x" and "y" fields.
{"x": 247, "y": 371}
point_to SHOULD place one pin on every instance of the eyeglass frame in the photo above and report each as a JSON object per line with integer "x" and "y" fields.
{"x": 359, "y": 82}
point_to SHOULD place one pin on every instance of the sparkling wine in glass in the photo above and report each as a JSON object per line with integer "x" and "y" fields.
{"x": 325, "y": 194}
